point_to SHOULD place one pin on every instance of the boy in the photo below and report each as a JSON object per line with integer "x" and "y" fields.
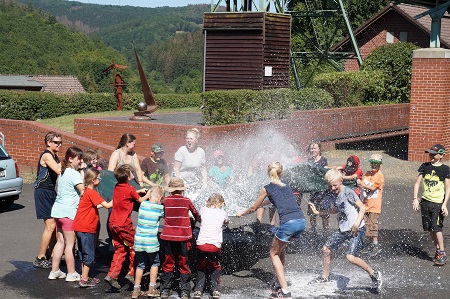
{"x": 372, "y": 192}
{"x": 156, "y": 171}
{"x": 146, "y": 242}
{"x": 121, "y": 225}
{"x": 176, "y": 236}
{"x": 350, "y": 211}
{"x": 435, "y": 178}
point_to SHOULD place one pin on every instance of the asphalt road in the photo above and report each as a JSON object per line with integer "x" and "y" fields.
{"x": 405, "y": 260}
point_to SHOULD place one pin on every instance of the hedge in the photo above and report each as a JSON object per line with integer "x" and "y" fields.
{"x": 312, "y": 98}
{"x": 33, "y": 105}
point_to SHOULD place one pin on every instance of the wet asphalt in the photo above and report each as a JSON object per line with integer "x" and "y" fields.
{"x": 405, "y": 261}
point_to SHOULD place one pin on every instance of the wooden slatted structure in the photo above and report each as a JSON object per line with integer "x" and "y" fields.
{"x": 241, "y": 48}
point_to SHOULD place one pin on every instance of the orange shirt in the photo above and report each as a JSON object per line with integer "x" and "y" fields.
{"x": 86, "y": 219}
{"x": 373, "y": 199}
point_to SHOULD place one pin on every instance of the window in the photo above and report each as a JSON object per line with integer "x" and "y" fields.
{"x": 389, "y": 37}
{"x": 403, "y": 37}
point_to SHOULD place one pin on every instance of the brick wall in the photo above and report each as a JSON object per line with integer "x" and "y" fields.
{"x": 429, "y": 105}
{"x": 24, "y": 139}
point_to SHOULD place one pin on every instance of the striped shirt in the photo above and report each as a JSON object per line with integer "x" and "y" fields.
{"x": 177, "y": 224}
{"x": 146, "y": 238}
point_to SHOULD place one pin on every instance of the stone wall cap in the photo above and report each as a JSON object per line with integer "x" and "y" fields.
{"x": 431, "y": 53}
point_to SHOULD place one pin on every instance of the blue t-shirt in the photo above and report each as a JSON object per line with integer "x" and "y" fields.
{"x": 67, "y": 200}
{"x": 221, "y": 178}
{"x": 284, "y": 200}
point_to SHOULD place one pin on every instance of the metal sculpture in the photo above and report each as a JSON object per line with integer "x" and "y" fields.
{"x": 118, "y": 82}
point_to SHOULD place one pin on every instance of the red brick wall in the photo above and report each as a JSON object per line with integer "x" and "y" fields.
{"x": 24, "y": 139}
{"x": 429, "y": 105}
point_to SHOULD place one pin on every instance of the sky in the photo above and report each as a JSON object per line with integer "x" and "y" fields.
{"x": 148, "y": 3}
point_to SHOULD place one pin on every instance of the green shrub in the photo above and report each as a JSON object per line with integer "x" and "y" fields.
{"x": 239, "y": 106}
{"x": 354, "y": 88}
{"x": 312, "y": 98}
{"x": 395, "y": 61}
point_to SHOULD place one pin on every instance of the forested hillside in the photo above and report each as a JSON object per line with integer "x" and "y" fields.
{"x": 32, "y": 42}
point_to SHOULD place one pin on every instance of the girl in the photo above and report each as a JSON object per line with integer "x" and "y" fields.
{"x": 292, "y": 222}
{"x": 86, "y": 222}
{"x": 209, "y": 244}
{"x": 220, "y": 173}
{"x": 70, "y": 187}
{"x": 91, "y": 158}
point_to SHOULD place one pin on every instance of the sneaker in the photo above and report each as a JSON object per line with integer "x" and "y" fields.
{"x": 376, "y": 249}
{"x": 42, "y": 263}
{"x": 153, "y": 292}
{"x": 165, "y": 293}
{"x": 73, "y": 277}
{"x": 275, "y": 286}
{"x": 112, "y": 282}
{"x": 197, "y": 295}
{"x": 216, "y": 295}
{"x": 56, "y": 275}
{"x": 280, "y": 295}
{"x": 184, "y": 295}
{"x": 376, "y": 279}
{"x": 94, "y": 279}
{"x": 86, "y": 283}
{"x": 320, "y": 279}
{"x": 441, "y": 258}
{"x": 129, "y": 278}
{"x": 136, "y": 292}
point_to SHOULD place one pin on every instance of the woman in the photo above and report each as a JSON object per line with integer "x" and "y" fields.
{"x": 292, "y": 222}
{"x": 49, "y": 167}
{"x": 190, "y": 161}
{"x": 124, "y": 154}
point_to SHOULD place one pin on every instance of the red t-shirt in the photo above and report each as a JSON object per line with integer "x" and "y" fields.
{"x": 86, "y": 219}
{"x": 124, "y": 197}
{"x": 177, "y": 224}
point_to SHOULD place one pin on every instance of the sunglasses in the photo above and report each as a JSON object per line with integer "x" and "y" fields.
{"x": 57, "y": 142}
{"x": 98, "y": 178}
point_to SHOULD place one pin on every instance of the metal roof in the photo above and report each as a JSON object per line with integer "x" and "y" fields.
{"x": 19, "y": 81}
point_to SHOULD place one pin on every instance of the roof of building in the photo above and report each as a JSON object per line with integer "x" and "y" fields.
{"x": 56, "y": 84}
{"x": 408, "y": 11}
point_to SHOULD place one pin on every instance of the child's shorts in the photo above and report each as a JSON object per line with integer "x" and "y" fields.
{"x": 291, "y": 229}
{"x": 86, "y": 247}
{"x": 371, "y": 221}
{"x": 144, "y": 259}
{"x": 432, "y": 217}
{"x": 338, "y": 237}
{"x": 64, "y": 224}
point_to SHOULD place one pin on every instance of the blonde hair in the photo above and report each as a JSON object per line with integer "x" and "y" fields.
{"x": 194, "y": 131}
{"x": 215, "y": 201}
{"x": 332, "y": 175}
{"x": 156, "y": 191}
{"x": 275, "y": 170}
{"x": 90, "y": 175}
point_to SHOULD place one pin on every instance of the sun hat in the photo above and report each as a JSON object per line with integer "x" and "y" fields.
{"x": 376, "y": 158}
{"x": 436, "y": 149}
{"x": 176, "y": 184}
{"x": 217, "y": 153}
{"x": 157, "y": 148}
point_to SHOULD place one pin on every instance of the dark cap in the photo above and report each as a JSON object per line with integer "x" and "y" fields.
{"x": 157, "y": 148}
{"x": 436, "y": 149}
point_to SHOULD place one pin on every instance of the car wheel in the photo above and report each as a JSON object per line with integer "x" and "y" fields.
{"x": 7, "y": 202}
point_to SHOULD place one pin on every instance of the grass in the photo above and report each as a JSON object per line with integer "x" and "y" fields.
{"x": 66, "y": 122}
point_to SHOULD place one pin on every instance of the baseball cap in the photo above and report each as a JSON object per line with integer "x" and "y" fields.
{"x": 436, "y": 149}
{"x": 157, "y": 148}
{"x": 376, "y": 158}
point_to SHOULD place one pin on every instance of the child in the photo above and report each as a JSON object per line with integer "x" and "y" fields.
{"x": 435, "y": 178}
{"x": 350, "y": 211}
{"x": 70, "y": 187}
{"x": 86, "y": 222}
{"x": 121, "y": 225}
{"x": 292, "y": 223}
{"x": 318, "y": 198}
{"x": 220, "y": 173}
{"x": 209, "y": 243}
{"x": 176, "y": 236}
{"x": 372, "y": 189}
{"x": 156, "y": 171}
{"x": 351, "y": 173}
{"x": 91, "y": 158}
{"x": 146, "y": 242}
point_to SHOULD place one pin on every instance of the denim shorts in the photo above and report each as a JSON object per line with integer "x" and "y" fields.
{"x": 144, "y": 259}
{"x": 290, "y": 229}
{"x": 338, "y": 237}
{"x": 86, "y": 247}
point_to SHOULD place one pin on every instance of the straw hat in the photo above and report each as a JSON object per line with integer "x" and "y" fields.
{"x": 176, "y": 184}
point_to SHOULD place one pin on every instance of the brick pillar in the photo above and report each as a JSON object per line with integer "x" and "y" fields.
{"x": 429, "y": 121}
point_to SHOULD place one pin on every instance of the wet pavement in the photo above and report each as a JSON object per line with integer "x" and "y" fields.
{"x": 405, "y": 260}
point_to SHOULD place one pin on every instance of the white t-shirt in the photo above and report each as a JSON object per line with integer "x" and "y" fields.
{"x": 211, "y": 226}
{"x": 191, "y": 164}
